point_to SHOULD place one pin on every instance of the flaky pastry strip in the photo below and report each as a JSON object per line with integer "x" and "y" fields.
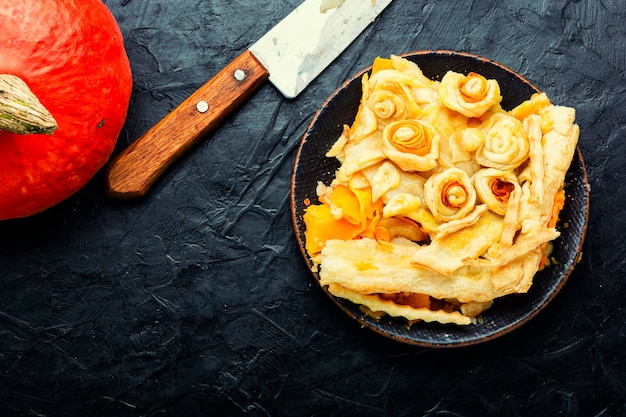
{"x": 559, "y": 144}
{"x": 511, "y": 221}
{"x": 532, "y": 124}
{"x": 517, "y": 276}
{"x": 521, "y": 247}
{"x": 454, "y": 226}
{"x": 377, "y": 304}
{"x": 362, "y": 154}
{"x": 447, "y": 254}
{"x": 369, "y": 267}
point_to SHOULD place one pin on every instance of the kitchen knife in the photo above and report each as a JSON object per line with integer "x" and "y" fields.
{"x": 291, "y": 55}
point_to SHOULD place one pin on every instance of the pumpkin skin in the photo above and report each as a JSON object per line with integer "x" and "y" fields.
{"x": 71, "y": 54}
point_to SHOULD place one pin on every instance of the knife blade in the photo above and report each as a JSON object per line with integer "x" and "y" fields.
{"x": 290, "y": 55}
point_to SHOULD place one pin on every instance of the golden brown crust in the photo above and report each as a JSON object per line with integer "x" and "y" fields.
{"x": 462, "y": 194}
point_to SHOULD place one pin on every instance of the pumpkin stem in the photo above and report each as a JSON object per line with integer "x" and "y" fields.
{"x": 20, "y": 110}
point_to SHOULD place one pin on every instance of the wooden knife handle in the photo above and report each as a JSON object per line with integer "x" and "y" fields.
{"x": 135, "y": 169}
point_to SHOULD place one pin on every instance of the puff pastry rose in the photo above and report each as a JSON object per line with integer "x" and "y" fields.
{"x": 449, "y": 195}
{"x": 495, "y": 188}
{"x": 443, "y": 201}
{"x": 412, "y": 144}
{"x": 505, "y": 144}
{"x": 471, "y": 95}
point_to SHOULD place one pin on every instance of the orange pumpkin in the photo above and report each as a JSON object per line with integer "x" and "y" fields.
{"x": 71, "y": 55}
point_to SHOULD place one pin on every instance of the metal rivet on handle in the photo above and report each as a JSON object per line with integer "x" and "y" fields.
{"x": 202, "y": 106}
{"x": 240, "y": 75}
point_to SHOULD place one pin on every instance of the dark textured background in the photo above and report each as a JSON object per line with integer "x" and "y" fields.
{"x": 195, "y": 300}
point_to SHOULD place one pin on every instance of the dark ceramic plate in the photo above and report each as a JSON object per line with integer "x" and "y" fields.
{"x": 507, "y": 313}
